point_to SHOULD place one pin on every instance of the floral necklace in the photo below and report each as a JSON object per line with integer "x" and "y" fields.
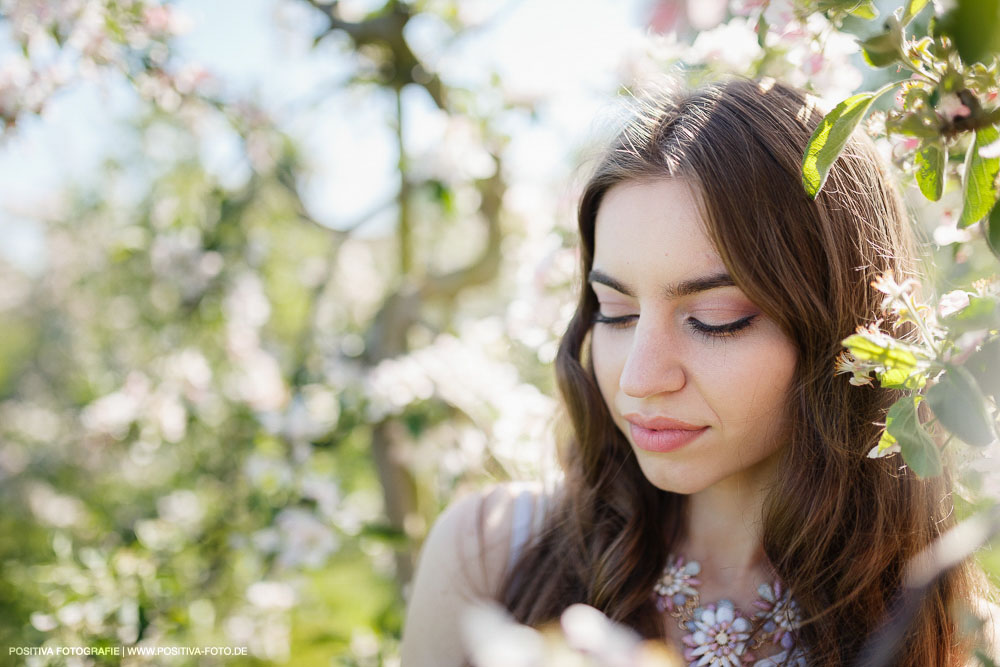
{"x": 719, "y": 634}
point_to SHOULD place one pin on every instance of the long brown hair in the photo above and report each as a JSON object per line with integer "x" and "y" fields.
{"x": 838, "y": 527}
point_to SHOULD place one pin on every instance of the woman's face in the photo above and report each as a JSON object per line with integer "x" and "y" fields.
{"x": 686, "y": 345}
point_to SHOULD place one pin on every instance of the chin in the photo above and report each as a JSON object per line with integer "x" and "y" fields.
{"x": 670, "y": 480}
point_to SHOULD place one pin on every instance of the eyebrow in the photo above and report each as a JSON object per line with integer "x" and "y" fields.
{"x": 670, "y": 291}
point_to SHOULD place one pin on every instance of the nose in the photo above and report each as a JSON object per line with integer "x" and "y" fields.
{"x": 654, "y": 364}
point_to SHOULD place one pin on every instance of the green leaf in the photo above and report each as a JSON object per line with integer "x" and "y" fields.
{"x": 923, "y": 123}
{"x": 886, "y": 47}
{"x": 864, "y": 10}
{"x": 984, "y": 364}
{"x": 831, "y": 136}
{"x": 897, "y": 378}
{"x": 974, "y": 28}
{"x": 889, "y": 354}
{"x": 960, "y": 407}
{"x": 984, "y": 660}
{"x": 846, "y": 6}
{"x": 883, "y": 49}
{"x": 893, "y": 379}
{"x": 993, "y": 230}
{"x": 444, "y": 195}
{"x": 930, "y": 161}
{"x": 913, "y": 8}
{"x": 977, "y": 181}
{"x": 762, "y": 31}
{"x": 886, "y": 441}
{"x": 918, "y": 448}
{"x": 385, "y": 533}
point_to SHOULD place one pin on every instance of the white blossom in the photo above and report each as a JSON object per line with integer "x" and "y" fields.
{"x": 951, "y": 107}
{"x": 952, "y": 302}
{"x": 115, "y": 412}
{"x": 273, "y": 595}
{"x": 53, "y": 508}
{"x": 732, "y": 44}
{"x": 305, "y": 540}
{"x": 494, "y": 639}
{"x": 591, "y": 632}
{"x": 182, "y": 507}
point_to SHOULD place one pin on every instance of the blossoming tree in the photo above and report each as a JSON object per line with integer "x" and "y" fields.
{"x": 226, "y": 421}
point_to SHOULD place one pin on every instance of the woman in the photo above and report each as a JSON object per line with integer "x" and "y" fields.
{"x": 717, "y": 491}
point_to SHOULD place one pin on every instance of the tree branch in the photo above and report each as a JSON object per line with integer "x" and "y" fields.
{"x": 386, "y": 28}
{"x": 486, "y": 266}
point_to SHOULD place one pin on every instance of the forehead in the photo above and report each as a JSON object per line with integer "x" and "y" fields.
{"x": 653, "y": 226}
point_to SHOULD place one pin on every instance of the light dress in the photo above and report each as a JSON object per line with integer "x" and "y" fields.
{"x": 718, "y": 634}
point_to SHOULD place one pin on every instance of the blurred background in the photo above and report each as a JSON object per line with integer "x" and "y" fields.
{"x": 281, "y": 278}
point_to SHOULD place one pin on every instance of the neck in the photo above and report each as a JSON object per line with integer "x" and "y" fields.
{"x": 724, "y": 528}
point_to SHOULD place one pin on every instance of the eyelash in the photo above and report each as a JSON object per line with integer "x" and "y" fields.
{"x": 721, "y": 331}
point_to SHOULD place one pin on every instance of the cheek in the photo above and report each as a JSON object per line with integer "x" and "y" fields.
{"x": 753, "y": 385}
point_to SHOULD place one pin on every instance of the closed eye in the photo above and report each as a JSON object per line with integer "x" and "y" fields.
{"x": 615, "y": 322}
{"x": 721, "y": 330}
{"x": 709, "y": 330}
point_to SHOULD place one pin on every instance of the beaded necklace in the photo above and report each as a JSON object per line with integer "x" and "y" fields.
{"x": 719, "y": 635}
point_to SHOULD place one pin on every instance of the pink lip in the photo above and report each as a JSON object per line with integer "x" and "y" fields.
{"x": 661, "y": 434}
{"x": 660, "y": 423}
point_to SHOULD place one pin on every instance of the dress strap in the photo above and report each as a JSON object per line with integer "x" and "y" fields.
{"x": 520, "y": 529}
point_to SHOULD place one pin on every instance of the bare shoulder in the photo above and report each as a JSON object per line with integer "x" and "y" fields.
{"x": 472, "y": 536}
{"x": 464, "y": 558}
